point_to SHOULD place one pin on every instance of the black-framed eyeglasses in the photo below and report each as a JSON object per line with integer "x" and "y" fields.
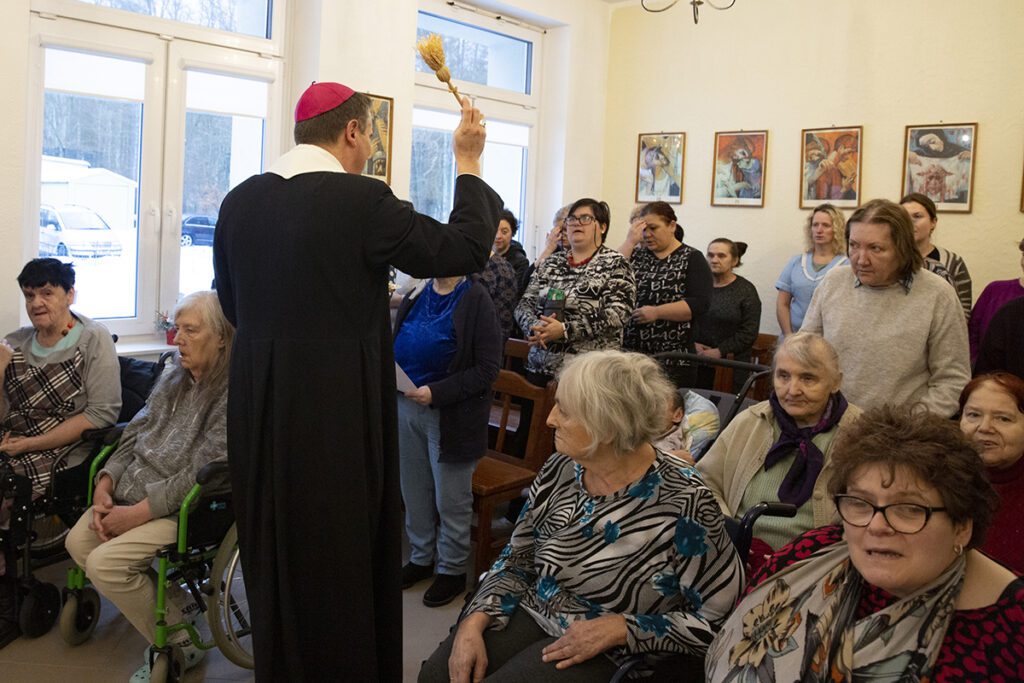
{"x": 904, "y": 518}
{"x": 585, "y": 219}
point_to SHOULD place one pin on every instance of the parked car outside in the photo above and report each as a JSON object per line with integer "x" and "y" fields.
{"x": 197, "y": 230}
{"x": 75, "y": 231}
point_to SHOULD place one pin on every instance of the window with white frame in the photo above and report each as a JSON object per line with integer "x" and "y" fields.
{"x": 496, "y": 63}
{"x": 140, "y": 138}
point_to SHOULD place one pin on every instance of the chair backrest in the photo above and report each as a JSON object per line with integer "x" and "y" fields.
{"x": 761, "y": 353}
{"x": 137, "y": 380}
{"x": 510, "y": 389}
{"x": 516, "y": 351}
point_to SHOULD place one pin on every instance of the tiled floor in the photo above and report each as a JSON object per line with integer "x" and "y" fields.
{"x": 115, "y": 650}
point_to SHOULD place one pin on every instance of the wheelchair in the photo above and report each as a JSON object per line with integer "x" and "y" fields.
{"x": 39, "y": 525}
{"x": 204, "y": 561}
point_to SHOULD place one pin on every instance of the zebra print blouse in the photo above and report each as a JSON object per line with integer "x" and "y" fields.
{"x": 655, "y": 552}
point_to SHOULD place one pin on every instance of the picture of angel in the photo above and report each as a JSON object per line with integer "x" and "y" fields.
{"x": 659, "y": 174}
{"x": 379, "y": 163}
{"x": 831, "y": 166}
{"x": 740, "y": 160}
{"x": 938, "y": 161}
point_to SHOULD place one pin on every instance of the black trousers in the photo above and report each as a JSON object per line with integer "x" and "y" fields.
{"x": 514, "y": 655}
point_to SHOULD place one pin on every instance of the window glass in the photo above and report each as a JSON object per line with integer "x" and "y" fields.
{"x": 250, "y": 17}
{"x": 224, "y": 135}
{"x": 479, "y": 56}
{"x": 433, "y": 165}
{"x": 89, "y": 179}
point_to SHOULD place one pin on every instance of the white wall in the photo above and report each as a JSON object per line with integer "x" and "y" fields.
{"x": 14, "y": 83}
{"x": 791, "y": 64}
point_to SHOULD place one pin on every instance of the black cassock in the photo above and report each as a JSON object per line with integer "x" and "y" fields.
{"x": 302, "y": 271}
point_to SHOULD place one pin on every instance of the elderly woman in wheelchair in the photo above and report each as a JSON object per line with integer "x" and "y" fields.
{"x": 619, "y": 550}
{"x": 141, "y": 486}
{"x": 60, "y": 378}
{"x": 780, "y": 450}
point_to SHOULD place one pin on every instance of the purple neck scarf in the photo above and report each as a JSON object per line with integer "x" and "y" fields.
{"x": 798, "y": 485}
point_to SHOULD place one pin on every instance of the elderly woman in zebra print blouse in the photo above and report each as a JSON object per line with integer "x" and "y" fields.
{"x": 620, "y": 549}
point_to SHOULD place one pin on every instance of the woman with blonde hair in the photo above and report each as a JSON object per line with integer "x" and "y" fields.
{"x": 825, "y": 248}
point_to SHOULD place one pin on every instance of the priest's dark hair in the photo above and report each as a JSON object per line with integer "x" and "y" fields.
{"x": 40, "y": 272}
{"x": 325, "y": 128}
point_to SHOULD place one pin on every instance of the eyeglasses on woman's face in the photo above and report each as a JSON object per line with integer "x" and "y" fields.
{"x": 904, "y": 518}
{"x": 584, "y": 219}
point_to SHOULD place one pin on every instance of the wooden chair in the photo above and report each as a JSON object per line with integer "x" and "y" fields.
{"x": 514, "y": 360}
{"x": 724, "y": 377}
{"x": 761, "y": 353}
{"x": 500, "y": 477}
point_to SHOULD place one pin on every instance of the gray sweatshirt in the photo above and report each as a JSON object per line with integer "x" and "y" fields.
{"x": 166, "y": 444}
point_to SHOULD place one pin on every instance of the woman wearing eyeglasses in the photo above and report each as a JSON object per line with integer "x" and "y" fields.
{"x": 898, "y": 591}
{"x": 579, "y": 299}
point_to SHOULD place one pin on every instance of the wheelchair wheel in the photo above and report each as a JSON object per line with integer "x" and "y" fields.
{"x": 39, "y": 609}
{"x": 80, "y": 615}
{"x": 229, "y": 612}
{"x": 168, "y": 668}
{"x": 50, "y": 533}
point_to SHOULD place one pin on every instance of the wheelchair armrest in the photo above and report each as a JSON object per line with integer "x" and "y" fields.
{"x": 211, "y": 471}
{"x": 106, "y": 436}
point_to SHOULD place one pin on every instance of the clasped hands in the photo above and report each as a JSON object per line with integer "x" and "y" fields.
{"x": 549, "y": 330}
{"x": 109, "y": 520}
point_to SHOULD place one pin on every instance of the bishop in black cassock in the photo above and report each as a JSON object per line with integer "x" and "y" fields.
{"x": 301, "y": 255}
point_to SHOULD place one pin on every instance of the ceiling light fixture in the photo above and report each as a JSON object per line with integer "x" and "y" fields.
{"x": 695, "y": 3}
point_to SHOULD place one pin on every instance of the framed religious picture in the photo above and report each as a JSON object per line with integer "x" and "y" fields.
{"x": 381, "y": 112}
{"x": 739, "y": 168}
{"x": 659, "y": 167}
{"x": 831, "y": 166}
{"x": 938, "y": 161}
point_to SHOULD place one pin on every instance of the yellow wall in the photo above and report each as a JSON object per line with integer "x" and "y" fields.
{"x": 785, "y": 65}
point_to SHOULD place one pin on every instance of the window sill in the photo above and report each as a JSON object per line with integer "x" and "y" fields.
{"x": 142, "y": 346}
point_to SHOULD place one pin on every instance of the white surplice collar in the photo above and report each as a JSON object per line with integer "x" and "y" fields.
{"x": 305, "y": 159}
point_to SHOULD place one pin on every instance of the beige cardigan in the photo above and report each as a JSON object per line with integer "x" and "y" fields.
{"x": 740, "y": 452}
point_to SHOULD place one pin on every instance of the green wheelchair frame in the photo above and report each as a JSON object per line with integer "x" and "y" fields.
{"x": 215, "y": 566}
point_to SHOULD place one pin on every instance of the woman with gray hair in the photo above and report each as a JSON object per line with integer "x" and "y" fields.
{"x": 182, "y": 428}
{"x": 619, "y": 549}
{"x": 779, "y": 450}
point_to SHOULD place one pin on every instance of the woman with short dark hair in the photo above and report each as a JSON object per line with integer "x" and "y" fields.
{"x": 899, "y": 590}
{"x": 579, "y": 299}
{"x": 925, "y": 217}
{"x": 731, "y": 323}
{"x": 510, "y": 249}
{"x": 60, "y": 378}
{"x": 673, "y": 289}
{"x": 992, "y": 414}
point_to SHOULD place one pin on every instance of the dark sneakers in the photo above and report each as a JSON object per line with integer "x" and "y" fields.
{"x": 413, "y": 573}
{"x": 446, "y": 587}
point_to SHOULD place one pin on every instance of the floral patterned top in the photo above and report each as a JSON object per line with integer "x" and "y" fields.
{"x": 985, "y": 644}
{"x": 599, "y": 299}
{"x": 655, "y": 552}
